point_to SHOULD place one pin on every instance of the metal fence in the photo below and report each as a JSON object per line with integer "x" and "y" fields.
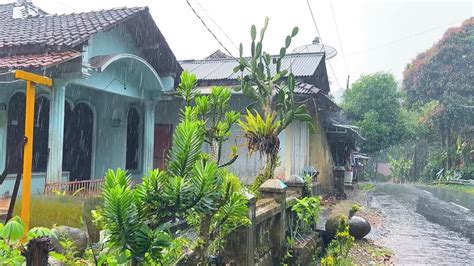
{"x": 85, "y": 188}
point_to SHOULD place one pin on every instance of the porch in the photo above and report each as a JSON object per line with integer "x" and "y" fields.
{"x": 84, "y": 126}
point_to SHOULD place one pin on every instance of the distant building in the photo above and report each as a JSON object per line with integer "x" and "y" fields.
{"x": 299, "y": 148}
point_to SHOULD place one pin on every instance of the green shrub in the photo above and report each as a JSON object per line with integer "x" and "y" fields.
{"x": 467, "y": 173}
{"x": 366, "y": 186}
{"x": 338, "y": 251}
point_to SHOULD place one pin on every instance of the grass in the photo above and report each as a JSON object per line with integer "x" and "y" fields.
{"x": 50, "y": 211}
{"x": 461, "y": 188}
{"x": 366, "y": 186}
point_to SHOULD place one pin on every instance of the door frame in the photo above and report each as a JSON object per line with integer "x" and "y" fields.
{"x": 94, "y": 126}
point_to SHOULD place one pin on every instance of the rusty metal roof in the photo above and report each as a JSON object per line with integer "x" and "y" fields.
{"x": 301, "y": 65}
{"x": 37, "y": 60}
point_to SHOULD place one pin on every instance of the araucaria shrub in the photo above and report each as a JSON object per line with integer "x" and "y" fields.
{"x": 193, "y": 188}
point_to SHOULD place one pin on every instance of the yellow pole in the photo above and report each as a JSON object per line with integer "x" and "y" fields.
{"x": 28, "y": 154}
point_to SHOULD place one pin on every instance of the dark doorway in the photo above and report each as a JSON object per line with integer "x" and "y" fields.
{"x": 78, "y": 126}
{"x": 163, "y": 134}
{"x": 133, "y": 139}
{"x": 16, "y": 132}
{"x": 41, "y": 132}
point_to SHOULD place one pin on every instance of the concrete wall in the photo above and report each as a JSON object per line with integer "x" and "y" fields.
{"x": 321, "y": 156}
{"x": 115, "y": 41}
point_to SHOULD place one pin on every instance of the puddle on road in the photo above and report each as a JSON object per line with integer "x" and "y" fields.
{"x": 414, "y": 238}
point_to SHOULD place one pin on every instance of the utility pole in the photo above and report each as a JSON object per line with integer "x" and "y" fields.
{"x": 31, "y": 80}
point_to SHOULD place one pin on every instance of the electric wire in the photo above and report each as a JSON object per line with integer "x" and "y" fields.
{"x": 339, "y": 37}
{"x": 217, "y": 25}
{"x": 322, "y": 43}
{"x": 210, "y": 31}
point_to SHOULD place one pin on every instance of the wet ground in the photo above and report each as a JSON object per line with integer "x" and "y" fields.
{"x": 424, "y": 226}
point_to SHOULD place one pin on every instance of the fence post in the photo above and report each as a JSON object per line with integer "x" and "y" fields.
{"x": 37, "y": 251}
{"x": 240, "y": 245}
{"x": 275, "y": 188}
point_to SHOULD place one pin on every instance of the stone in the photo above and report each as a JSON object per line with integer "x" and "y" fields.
{"x": 358, "y": 227}
{"x": 77, "y": 235}
{"x": 331, "y": 226}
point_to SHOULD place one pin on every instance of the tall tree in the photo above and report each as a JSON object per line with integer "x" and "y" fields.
{"x": 373, "y": 102}
{"x": 444, "y": 73}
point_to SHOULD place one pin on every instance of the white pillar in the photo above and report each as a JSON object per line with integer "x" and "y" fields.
{"x": 56, "y": 133}
{"x": 148, "y": 135}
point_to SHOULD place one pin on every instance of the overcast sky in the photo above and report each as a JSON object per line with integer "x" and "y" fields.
{"x": 378, "y": 35}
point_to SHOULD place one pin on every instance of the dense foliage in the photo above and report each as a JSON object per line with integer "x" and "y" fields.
{"x": 439, "y": 88}
{"x": 192, "y": 188}
{"x": 373, "y": 102}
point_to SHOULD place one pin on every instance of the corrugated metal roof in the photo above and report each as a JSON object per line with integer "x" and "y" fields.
{"x": 301, "y": 65}
{"x": 305, "y": 88}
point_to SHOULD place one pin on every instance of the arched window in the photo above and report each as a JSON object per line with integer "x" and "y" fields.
{"x": 41, "y": 132}
{"x": 133, "y": 139}
{"x": 16, "y": 133}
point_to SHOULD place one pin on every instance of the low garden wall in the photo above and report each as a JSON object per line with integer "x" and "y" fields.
{"x": 264, "y": 242}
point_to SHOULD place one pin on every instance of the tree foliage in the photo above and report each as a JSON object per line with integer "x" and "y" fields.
{"x": 373, "y": 102}
{"x": 439, "y": 82}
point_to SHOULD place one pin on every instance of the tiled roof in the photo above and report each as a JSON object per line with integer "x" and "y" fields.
{"x": 59, "y": 30}
{"x": 301, "y": 65}
{"x": 37, "y": 60}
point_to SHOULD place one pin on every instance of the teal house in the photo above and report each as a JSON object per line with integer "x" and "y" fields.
{"x": 111, "y": 69}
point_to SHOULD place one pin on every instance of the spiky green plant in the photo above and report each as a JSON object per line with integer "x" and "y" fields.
{"x": 193, "y": 188}
{"x": 272, "y": 89}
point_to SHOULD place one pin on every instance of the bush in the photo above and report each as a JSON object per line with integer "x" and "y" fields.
{"x": 338, "y": 250}
{"x": 467, "y": 173}
{"x": 366, "y": 186}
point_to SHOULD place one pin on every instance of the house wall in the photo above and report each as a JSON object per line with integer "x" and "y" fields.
{"x": 115, "y": 41}
{"x": 109, "y": 143}
{"x": 37, "y": 179}
{"x": 294, "y": 142}
{"x": 321, "y": 156}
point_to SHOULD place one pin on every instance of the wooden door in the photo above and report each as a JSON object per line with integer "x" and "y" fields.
{"x": 163, "y": 135}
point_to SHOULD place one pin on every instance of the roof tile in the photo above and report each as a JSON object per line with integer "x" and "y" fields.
{"x": 38, "y": 60}
{"x": 69, "y": 30}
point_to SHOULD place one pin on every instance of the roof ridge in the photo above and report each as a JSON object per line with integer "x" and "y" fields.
{"x": 142, "y": 8}
{"x": 233, "y": 59}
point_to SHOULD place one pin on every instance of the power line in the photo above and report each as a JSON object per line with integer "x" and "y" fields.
{"x": 215, "y": 23}
{"x": 322, "y": 43}
{"x": 210, "y": 31}
{"x": 404, "y": 38}
{"x": 339, "y": 37}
